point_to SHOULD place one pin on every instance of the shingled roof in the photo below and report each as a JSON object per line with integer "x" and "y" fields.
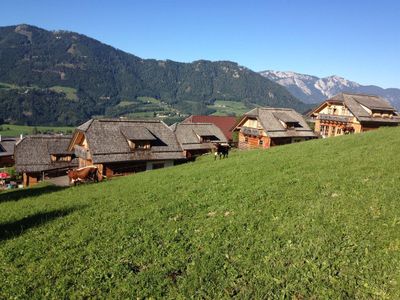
{"x": 357, "y": 103}
{"x": 7, "y": 146}
{"x": 108, "y": 140}
{"x": 189, "y": 135}
{"x": 33, "y": 153}
{"x": 273, "y": 122}
{"x": 225, "y": 123}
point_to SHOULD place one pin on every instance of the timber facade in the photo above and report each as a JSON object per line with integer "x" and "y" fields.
{"x": 120, "y": 147}
{"x": 224, "y": 123}
{"x": 348, "y": 113}
{"x": 198, "y": 138}
{"x": 265, "y": 127}
{"x": 40, "y": 157}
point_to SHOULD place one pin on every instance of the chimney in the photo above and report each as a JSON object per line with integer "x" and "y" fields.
{"x": 21, "y": 136}
{"x": 0, "y": 137}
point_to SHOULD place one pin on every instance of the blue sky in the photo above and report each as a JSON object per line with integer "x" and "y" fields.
{"x": 359, "y": 40}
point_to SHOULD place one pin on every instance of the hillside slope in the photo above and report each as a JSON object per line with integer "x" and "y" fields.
{"x": 84, "y": 77}
{"x": 318, "y": 219}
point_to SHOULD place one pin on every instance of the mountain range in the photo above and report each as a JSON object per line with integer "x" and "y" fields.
{"x": 312, "y": 89}
{"x": 64, "y": 78}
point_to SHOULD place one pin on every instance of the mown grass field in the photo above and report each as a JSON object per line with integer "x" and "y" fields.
{"x": 224, "y": 108}
{"x": 70, "y": 93}
{"x": 16, "y": 130}
{"x": 313, "y": 220}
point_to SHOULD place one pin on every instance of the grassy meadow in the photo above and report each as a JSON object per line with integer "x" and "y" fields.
{"x": 313, "y": 220}
{"x": 224, "y": 108}
{"x": 70, "y": 93}
{"x": 16, "y": 130}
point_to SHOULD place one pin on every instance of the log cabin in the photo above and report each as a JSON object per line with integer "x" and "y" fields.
{"x": 352, "y": 113}
{"x": 264, "y": 127}
{"x": 198, "y": 138}
{"x": 7, "y": 151}
{"x": 40, "y": 157}
{"x": 225, "y": 123}
{"x": 121, "y": 147}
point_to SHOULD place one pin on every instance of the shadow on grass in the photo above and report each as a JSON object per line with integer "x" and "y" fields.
{"x": 30, "y": 192}
{"x": 17, "y": 228}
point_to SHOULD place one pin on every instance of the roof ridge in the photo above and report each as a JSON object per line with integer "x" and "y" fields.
{"x": 359, "y": 94}
{"x": 129, "y": 120}
{"x": 47, "y": 136}
{"x": 196, "y": 123}
{"x": 276, "y": 108}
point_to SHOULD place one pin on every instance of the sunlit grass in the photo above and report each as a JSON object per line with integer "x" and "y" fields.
{"x": 318, "y": 219}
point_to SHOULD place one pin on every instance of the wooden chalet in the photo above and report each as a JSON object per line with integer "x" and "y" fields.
{"x": 198, "y": 138}
{"x": 353, "y": 113}
{"x": 225, "y": 123}
{"x": 43, "y": 156}
{"x": 119, "y": 147}
{"x": 7, "y": 151}
{"x": 264, "y": 127}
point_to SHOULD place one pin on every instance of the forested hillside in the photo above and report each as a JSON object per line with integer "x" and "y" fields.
{"x": 63, "y": 78}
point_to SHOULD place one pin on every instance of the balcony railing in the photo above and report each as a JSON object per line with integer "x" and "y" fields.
{"x": 335, "y": 118}
{"x": 82, "y": 152}
{"x": 251, "y": 131}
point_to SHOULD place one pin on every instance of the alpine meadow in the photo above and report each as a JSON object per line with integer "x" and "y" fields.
{"x": 282, "y": 223}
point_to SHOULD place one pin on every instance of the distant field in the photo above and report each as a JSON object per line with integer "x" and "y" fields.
{"x": 312, "y": 220}
{"x": 229, "y": 108}
{"x": 148, "y": 108}
{"x": 16, "y": 130}
{"x": 70, "y": 93}
{"x": 149, "y": 99}
{"x": 4, "y": 85}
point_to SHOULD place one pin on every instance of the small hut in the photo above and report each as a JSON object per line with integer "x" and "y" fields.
{"x": 120, "y": 147}
{"x": 264, "y": 127}
{"x": 352, "y": 113}
{"x": 39, "y": 157}
{"x": 225, "y": 123}
{"x": 198, "y": 138}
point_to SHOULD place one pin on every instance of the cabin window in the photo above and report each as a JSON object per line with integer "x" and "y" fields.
{"x": 61, "y": 158}
{"x": 292, "y": 125}
{"x": 208, "y": 138}
{"x": 260, "y": 142}
{"x": 139, "y": 145}
{"x": 324, "y": 129}
{"x": 246, "y": 139}
{"x": 339, "y": 131}
{"x": 333, "y": 130}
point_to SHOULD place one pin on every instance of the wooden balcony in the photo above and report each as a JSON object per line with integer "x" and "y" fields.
{"x": 334, "y": 118}
{"x": 82, "y": 152}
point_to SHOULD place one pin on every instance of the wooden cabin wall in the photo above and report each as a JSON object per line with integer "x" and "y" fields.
{"x": 253, "y": 142}
{"x": 30, "y": 179}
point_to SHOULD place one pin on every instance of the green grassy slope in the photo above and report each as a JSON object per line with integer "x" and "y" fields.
{"x": 319, "y": 219}
{"x": 16, "y": 130}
